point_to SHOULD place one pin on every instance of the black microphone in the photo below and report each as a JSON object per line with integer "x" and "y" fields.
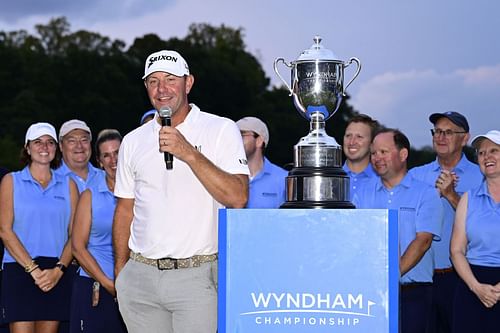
{"x": 165, "y": 114}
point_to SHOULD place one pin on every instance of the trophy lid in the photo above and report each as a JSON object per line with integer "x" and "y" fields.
{"x": 317, "y": 52}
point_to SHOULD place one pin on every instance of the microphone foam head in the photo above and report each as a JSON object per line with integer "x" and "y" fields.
{"x": 165, "y": 112}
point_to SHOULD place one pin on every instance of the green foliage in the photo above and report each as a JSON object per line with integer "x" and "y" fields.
{"x": 421, "y": 157}
{"x": 10, "y": 156}
{"x": 427, "y": 154}
{"x": 56, "y": 75}
{"x": 470, "y": 153}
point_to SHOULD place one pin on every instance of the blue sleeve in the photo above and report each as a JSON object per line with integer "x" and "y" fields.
{"x": 430, "y": 213}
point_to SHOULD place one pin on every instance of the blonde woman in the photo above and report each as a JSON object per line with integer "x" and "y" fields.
{"x": 94, "y": 308}
{"x": 475, "y": 245}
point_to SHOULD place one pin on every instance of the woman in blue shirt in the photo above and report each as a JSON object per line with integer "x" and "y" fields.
{"x": 475, "y": 245}
{"x": 94, "y": 307}
{"x": 36, "y": 214}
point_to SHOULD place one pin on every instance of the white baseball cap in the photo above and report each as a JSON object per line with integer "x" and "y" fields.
{"x": 256, "y": 125}
{"x": 73, "y": 124}
{"x": 166, "y": 61}
{"x": 492, "y": 135}
{"x": 39, "y": 129}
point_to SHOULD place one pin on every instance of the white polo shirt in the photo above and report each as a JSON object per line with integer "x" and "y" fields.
{"x": 174, "y": 215}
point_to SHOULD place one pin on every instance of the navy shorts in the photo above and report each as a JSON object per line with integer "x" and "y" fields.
{"x": 22, "y": 300}
{"x": 104, "y": 317}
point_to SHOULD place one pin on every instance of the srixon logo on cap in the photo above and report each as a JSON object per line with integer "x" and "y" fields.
{"x": 161, "y": 57}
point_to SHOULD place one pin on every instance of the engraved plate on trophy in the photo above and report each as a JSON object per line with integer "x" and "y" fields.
{"x": 317, "y": 88}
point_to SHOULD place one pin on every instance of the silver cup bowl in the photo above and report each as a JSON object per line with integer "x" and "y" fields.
{"x": 317, "y": 86}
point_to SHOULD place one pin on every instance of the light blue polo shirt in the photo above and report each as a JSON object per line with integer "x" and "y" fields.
{"x": 267, "y": 188}
{"x": 100, "y": 240}
{"x": 357, "y": 180}
{"x": 419, "y": 210}
{"x": 82, "y": 184}
{"x": 469, "y": 177}
{"x": 482, "y": 227}
{"x": 41, "y": 216}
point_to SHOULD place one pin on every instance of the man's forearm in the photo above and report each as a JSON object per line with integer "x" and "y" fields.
{"x": 228, "y": 189}
{"x": 121, "y": 233}
{"x": 415, "y": 252}
{"x": 120, "y": 245}
{"x": 453, "y": 198}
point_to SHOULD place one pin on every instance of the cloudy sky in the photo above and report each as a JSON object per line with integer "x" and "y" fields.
{"x": 418, "y": 57}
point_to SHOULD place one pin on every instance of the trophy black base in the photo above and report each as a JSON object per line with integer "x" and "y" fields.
{"x": 318, "y": 188}
{"x": 318, "y": 204}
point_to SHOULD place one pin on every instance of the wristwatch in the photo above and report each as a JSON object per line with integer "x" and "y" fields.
{"x": 61, "y": 266}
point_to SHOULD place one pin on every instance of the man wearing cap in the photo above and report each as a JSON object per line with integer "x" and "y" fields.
{"x": 358, "y": 136}
{"x": 75, "y": 143}
{"x": 165, "y": 224}
{"x": 452, "y": 174}
{"x": 267, "y": 180}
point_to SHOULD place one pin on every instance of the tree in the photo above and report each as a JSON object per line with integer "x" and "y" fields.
{"x": 53, "y": 36}
{"x": 229, "y": 80}
{"x": 56, "y": 75}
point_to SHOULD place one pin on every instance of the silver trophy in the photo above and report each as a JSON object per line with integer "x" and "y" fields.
{"x": 317, "y": 87}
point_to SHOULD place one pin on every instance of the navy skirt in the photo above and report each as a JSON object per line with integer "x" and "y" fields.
{"x": 104, "y": 317}
{"x": 469, "y": 314}
{"x": 22, "y": 300}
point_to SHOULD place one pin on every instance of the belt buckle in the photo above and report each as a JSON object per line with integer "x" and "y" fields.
{"x": 172, "y": 263}
{"x": 166, "y": 264}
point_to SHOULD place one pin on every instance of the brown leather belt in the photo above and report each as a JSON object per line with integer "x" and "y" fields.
{"x": 444, "y": 270}
{"x": 171, "y": 263}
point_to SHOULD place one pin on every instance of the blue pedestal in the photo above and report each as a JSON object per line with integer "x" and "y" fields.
{"x": 308, "y": 270}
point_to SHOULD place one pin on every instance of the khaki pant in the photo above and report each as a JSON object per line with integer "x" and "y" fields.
{"x": 168, "y": 301}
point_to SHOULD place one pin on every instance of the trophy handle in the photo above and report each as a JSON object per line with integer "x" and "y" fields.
{"x": 278, "y": 73}
{"x": 358, "y": 69}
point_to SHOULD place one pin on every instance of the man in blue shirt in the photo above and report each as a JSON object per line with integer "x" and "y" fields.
{"x": 267, "y": 180}
{"x": 419, "y": 218}
{"x": 357, "y": 138}
{"x": 452, "y": 174}
{"x": 75, "y": 140}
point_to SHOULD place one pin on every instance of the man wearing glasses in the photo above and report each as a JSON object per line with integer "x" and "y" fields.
{"x": 452, "y": 174}
{"x": 75, "y": 140}
{"x": 267, "y": 180}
